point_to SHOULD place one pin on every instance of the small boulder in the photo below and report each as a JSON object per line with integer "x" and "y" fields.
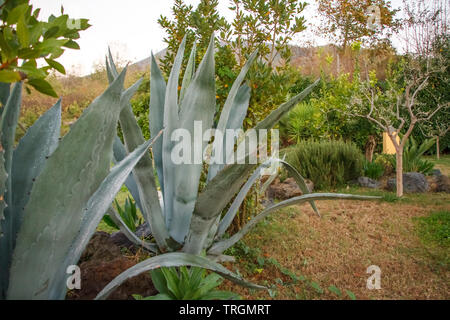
{"x": 436, "y": 173}
{"x": 413, "y": 182}
{"x": 366, "y": 182}
{"x": 286, "y": 189}
{"x": 442, "y": 183}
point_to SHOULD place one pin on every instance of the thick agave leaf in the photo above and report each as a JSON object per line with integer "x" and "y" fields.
{"x": 55, "y": 210}
{"x": 171, "y": 123}
{"x": 231, "y": 213}
{"x": 4, "y": 94}
{"x": 96, "y": 207}
{"x": 143, "y": 171}
{"x": 3, "y": 275}
{"x": 188, "y": 73}
{"x": 145, "y": 179}
{"x": 120, "y": 153}
{"x": 219, "y": 247}
{"x": 8, "y": 125}
{"x": 175, "y": 259}
{"x": 235, "y": 120}
{"x": 198, "y": 106}
{"x": 156, "y": 115}
{"x": 233, "y": 108}
{"x": 29, "y": 158}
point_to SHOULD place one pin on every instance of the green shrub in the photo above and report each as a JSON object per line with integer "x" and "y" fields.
{"x": 387, "y": 161}
{"x": 412, "y": 157}
{"x": 328, "y": 164}
{"x": 373, "y": 170}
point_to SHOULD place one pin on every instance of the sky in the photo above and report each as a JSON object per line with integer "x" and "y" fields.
{"x": 129, "y": 27}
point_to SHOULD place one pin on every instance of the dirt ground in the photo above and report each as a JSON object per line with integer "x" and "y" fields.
{"x": 337, "y": 249}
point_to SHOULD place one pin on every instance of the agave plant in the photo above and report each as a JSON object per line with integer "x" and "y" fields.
{"x": 54, "y": 192}
{"x": 188, "y": 229}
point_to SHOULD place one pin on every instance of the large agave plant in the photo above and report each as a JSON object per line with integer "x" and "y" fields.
{"x": 54, "y": 192}
{"x": 188, "y": 229}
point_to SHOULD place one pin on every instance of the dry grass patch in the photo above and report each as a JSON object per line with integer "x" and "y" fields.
{"x": 337, "y": 249}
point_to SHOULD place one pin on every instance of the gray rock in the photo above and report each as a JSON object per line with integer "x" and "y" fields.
{"x": 413, "y": 182}
{"x": 368, "y": 183}
{"x": 436, "y": 172}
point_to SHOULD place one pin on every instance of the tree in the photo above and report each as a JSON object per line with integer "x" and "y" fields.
{"x": 347, "y": 21}
{"x": 24, "y": 40}
{"x": 425, "y": 36}
{"x": 393, "y": 106}
{"x": 267, "y": 26}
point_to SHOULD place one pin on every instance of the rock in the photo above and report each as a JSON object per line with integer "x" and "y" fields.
{"x": 413, "y": 182}
{"x": 121, "y": 240}
{"x": 143, "y": 231}
{"x": 100, "y": 263}
{"x": 442, "y": 184}
{"x": 286, "y": 189}
{"x": 436, "y": 172}
{"x": 366, "y": 182}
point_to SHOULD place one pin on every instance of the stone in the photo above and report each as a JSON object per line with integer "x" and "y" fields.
{"x": 436, "y": 172}
{"x": 442, "y": 183}
{"x": 286, "y": 189}
{"x": 413, "y": 182}
{"x": 366, "y": 182}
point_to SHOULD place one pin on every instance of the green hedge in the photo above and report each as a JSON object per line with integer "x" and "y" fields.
{"x": 328, "y": 164}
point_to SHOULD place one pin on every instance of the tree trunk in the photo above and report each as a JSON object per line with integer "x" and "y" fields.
{"x": 370, "y": 148}
{"x": 399, "y": 172}
{"x": 437, "y": 148}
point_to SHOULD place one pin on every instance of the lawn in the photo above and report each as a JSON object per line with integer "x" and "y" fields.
{"x": 302, "y": 256}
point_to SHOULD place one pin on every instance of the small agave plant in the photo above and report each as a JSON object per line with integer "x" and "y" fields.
{"x": 188, "y": 229}
{"x": 54, "y": 192}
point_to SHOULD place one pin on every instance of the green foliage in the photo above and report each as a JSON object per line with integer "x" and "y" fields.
{"x": 387, "y": 161}
{"x": 373, "y": 170}
{"x": 325, "y": 116}
{"x": 128, "y": 214}
{"x": 413, "y": 157}
{"x": 267, "y": 26}
{"x": 435, "y": 228}
{"x": 328, "y": 164}
{"x": 25, "y": 39}
{"x": 187, "y": 284}
{"x": 437, "y": 92}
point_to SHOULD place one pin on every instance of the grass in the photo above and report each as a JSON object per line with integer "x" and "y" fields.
{"x": 442, "y": 164}
{"x": 336, "y": 250}
{"x": 435, "y": 228}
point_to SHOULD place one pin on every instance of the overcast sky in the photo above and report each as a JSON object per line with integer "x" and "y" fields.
{"x": 129, "y": 26}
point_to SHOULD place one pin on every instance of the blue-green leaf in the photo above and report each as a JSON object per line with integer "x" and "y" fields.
{"x": 71, "y": 175}
{"x": 94, "y": 211}
{"x": 39, "y": 142}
